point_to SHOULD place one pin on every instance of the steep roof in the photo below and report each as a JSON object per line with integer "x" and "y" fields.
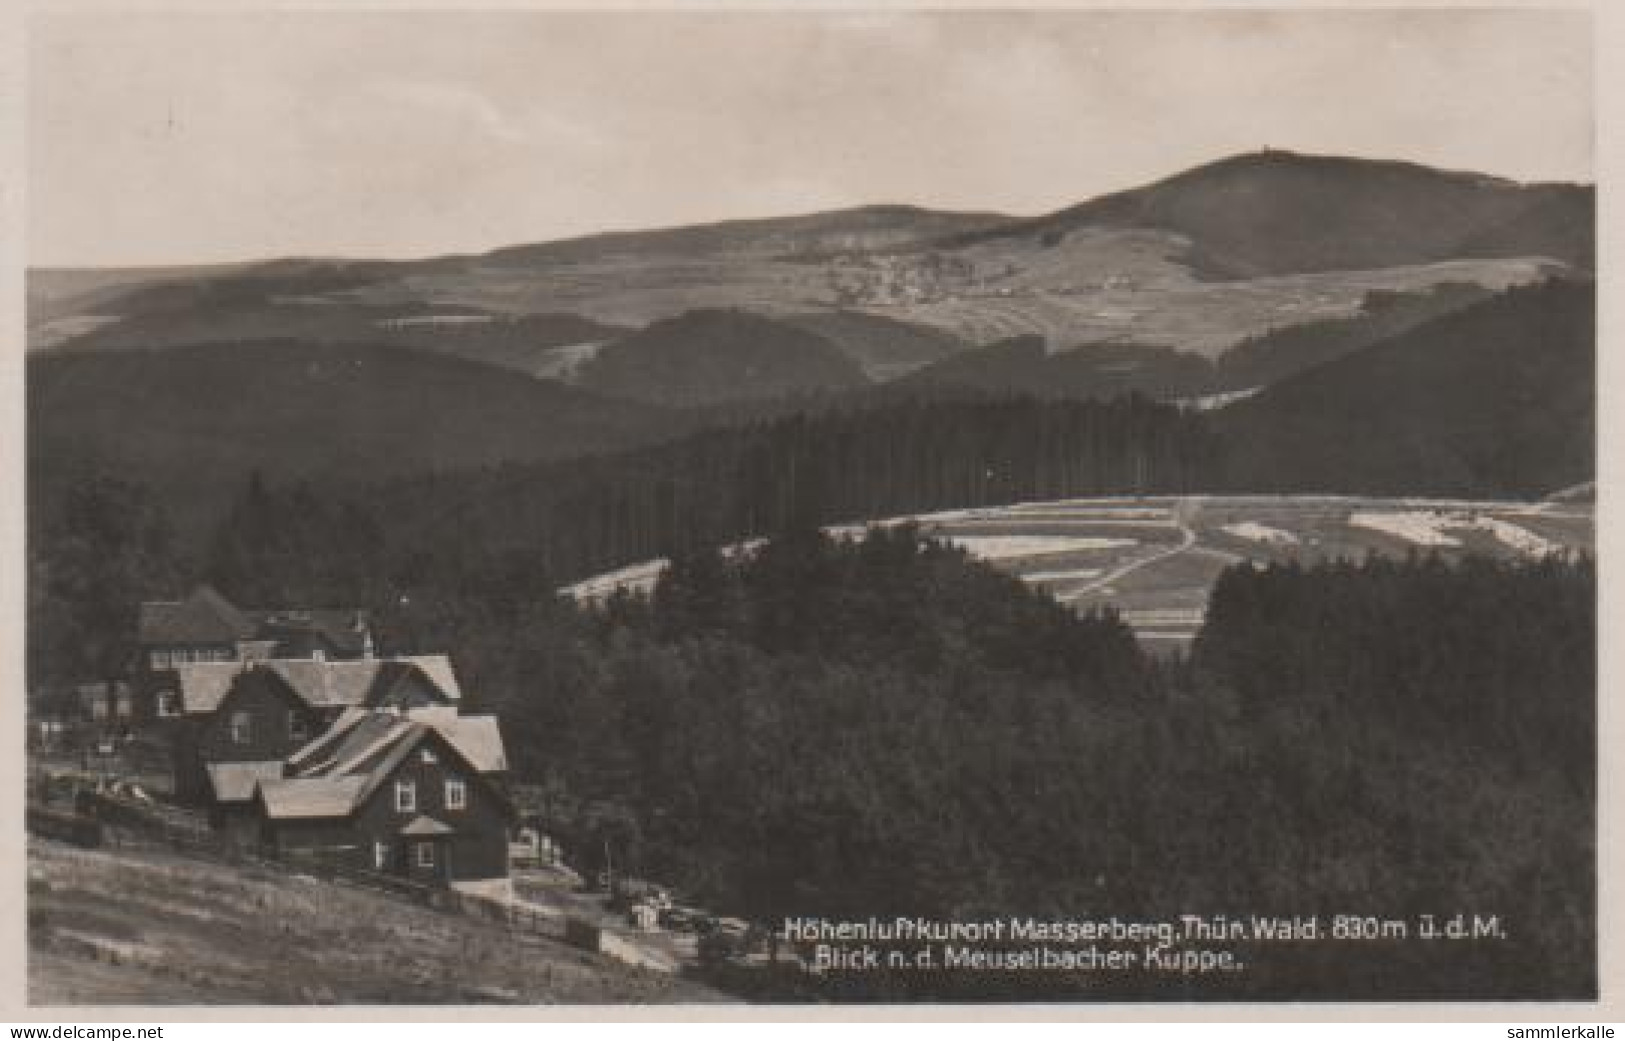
{"x": 477, "y": 738}
{"x": 206, "y": 617}
{"x": 422, "y": 826}
{"x": 343, "y": 628}
{"x": 234, "y": 782}
{"x": 203, "y": 617}
{"x": 327, "y": 684}
{"x": 343, "y": 766}
{"x": 310, "y": 797}
{"x": 320, "y": 684}
{"x": 361, "y": 682}
{"x": 203, "y": 685}
{"x": 436, "y": 668}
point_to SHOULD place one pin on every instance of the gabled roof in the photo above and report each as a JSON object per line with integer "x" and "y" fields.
{"x": 361, "y": 682}
{"x": 362, "y": 750}
{"x": 358, "y": 684}
{"x": 477, "y": 738}
{"x": 322, "y": 749}
{"x": 327, "y": 684}
{"x": 422, "y": 827}
{"x": 436, "y": 668}
{"x": 234, "y": 782}
{"x": 342, "y": 628}
{"x": 310, "y": 797}
{"x": 203, "y": 685}
{"x": 204, "y": 617}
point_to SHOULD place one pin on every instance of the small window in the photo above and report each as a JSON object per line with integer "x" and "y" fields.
{"x": 406, "y": 796}
{"x": 317, "y": 654}
{"x": 297, "y": 728}
{"x": 456, "y": 793}
{"x": 380, "y": 855}
{"x": 242, "y": 728}
{"x": 427, "y": 755}
{"x": 168, "y": 704}
{"x": 160, "y": 660}
{"x": 124, "y": 705}
{"x": 98, "y": 707}
{"x": 426, "y": 854}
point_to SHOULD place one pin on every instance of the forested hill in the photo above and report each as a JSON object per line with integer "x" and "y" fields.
{"x": 571, "y": 520}
{"x": 1497, "y": 400}
{"x": 708, "y": 356}
{"x": 1275, "y": 212}
{"x": 191, "y": 423}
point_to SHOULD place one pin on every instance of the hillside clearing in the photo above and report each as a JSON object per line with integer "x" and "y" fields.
{"x": 158, "y": 928}
{"x": 1154, "y": 559}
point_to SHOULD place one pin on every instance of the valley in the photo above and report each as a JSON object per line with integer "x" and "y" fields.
{"x": 1153, "y": 560}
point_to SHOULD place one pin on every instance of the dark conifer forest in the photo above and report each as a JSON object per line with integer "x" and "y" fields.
{"x": 882, "y": 725}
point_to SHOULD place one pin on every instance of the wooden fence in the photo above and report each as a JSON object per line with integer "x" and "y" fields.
{"x": 64, "y": 827}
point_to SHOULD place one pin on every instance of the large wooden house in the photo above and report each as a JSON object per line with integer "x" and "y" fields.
{"x": 234, "y": 722}
{"x": 416, "y": 793}
{"x": 206, "y": 628}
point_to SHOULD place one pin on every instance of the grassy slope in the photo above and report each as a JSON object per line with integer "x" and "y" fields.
{"x": 187, "y": 931}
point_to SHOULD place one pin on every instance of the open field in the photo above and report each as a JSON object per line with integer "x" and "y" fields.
{"x": 1105, "y": 284}
{"x": 1154, "y": 559}
{"x": 148, "y": 927}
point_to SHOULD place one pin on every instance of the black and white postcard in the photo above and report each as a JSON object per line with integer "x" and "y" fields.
{"x": 1078, "y": 506}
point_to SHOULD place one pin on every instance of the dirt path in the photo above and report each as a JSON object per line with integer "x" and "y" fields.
{"x": 1181, "y": 514}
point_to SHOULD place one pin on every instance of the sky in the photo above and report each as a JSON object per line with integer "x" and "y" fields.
{"x": 163, "y": 138}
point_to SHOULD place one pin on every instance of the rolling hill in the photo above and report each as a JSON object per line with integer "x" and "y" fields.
{"x": 1277, "y": 213}
{"x": 1497, "y": 400}
{"x": 885, "y": 347}
{"x": 859, "y": 230}
{"x": 1025, "y": 365}
{"x": 1262, "y": 360}
{"x": 1197, "y": 262}
{"x": 707, "y": 357}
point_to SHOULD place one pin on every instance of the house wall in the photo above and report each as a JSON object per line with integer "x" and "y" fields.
{"x": 271, "y": 709}
{"x": 332, "y": 838}
{"x": 272, "y": 713}
{"x": 159, "y": 657}
{"x": 478, "y": 849}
